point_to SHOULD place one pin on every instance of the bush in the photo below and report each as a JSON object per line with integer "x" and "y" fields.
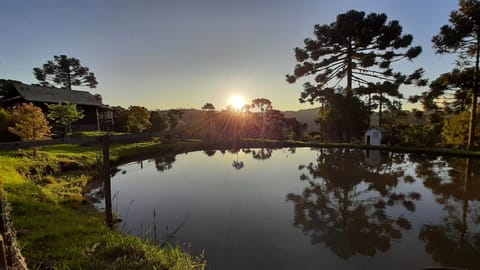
{"x": 6, "y": 121}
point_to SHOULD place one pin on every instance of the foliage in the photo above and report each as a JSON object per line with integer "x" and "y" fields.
{"x": 462, "y": 36}
{"x": 210, "y": 114}
{"x": 64, "y": 114}
{"x": 343, "y": 118}
{"x": 159, "y": 121}
{"x": 138, "y": 118}
{"x": 65, "y": 71}
{"x": 120, "y": 118}
{"x": 208, "y": 107}
{"x": 30, "y": 123}
{"x": 455, "y": 130}
{"x": 422, "y": 131}
{"x": 359, "y": 48}
{"x": 263, "y": 105}
{"x": 275, "y": 122}
{"x": 460, "y": 82}
{"x": 6, "y": 121}
{"x": 173, "y": 116}
{"x": 296, "y": 128}
{"x": 415, "y": 135}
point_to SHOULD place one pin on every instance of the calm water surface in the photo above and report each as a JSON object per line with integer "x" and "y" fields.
{"x": 306, "y": 208}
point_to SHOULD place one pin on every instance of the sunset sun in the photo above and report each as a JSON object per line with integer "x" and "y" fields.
{"x": 237, "y": 102}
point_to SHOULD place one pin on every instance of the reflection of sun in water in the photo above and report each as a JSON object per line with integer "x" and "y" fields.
{"x": 237, "y": 102}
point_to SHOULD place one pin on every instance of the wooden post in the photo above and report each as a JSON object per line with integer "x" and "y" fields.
{"x": 107, "y": 189}
{"x": 98, "y": 120}
{"x": 3, "y": 254}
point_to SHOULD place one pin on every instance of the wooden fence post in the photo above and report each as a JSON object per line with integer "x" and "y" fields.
{"x": 107, "y": 188}
{"x": 3, "y": 255}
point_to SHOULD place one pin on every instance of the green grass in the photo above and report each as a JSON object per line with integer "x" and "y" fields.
{"x": 96, "y": 133}
{"x": 57, "y": 229}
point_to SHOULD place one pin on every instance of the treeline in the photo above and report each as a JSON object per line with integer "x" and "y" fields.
{"x": 349, "y": 69}
{"x": 255, "y": 120}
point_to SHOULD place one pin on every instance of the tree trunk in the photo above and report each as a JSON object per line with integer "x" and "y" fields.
{"x": 107, "y": 188}
{"x": 65, "y": 131}
{"x": 369, "y": 109}
{"x": 471, "y": 127}
{"x": 69, "y": 81}
{"x": 349, "y": 68}
{"x": 380, "y": 110}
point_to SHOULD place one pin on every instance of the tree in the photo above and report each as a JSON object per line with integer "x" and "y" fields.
{"x": 456, "y": 129}
{"x": 173, "y": 116}
{"x": 275, "y": 122}
{"x": 452, "y": 89}
{"x": 138, "y": 118}
{"x": 342, "y": 118}
{"x": 30, "y": 123}
{"x": 157, "y": 118}
{"x": 65, "y": 71}
{"x": 64, "y": 114}
{"x": 462, "y": 36}
{"x": 210, "y": 110}
{"x": 6, "y": 121}
{"x": 358, "y": 48}
{"x": 296, "y": 128}
{"x": 120, "y": 118}
{"x": 263, "y": 105}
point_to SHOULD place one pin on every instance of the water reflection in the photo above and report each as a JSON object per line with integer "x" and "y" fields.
{"x": 345, "y": 203}
{"x": 164, "y": 161}
{"x": 237, "y": 164}
{"x": 262, "y": 153}
{"x": 381, "y": 209}
{"x": 209, "y": 153}
{"x": 455, "y": 242}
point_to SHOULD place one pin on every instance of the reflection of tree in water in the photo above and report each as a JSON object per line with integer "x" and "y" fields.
{"x": 455, "y": 242}
{"x": 262, "y": 153}
{"x": 345, "y": 203}
{"x": 209, "y": 153}
{"x": 164, "y": 161}
{"x": 237, "y": 164}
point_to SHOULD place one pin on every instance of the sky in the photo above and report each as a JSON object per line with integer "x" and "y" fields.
{"x": 185, "y": 53}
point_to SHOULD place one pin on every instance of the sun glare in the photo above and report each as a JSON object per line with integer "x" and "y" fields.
{"x": 237, "y": 102}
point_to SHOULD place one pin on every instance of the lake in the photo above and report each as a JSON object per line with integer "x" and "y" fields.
{"x": 306, "y": 208}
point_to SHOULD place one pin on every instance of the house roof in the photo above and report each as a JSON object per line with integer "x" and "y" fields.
{"x": 377, "y": 128}
{"x": 37, "y": 93}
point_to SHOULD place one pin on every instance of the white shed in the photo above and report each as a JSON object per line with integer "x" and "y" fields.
{"x": 373, "y": 136}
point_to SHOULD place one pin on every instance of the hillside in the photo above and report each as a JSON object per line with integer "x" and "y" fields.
{"x": 305, "y": 116}
{"x": 196, "y": 118}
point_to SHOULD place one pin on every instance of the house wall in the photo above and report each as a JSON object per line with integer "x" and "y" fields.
{"x": 375, "y": 136}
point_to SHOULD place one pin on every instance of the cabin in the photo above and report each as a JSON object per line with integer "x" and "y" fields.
{"x": 97, "y": 115}
{"x": 374, "y": 135}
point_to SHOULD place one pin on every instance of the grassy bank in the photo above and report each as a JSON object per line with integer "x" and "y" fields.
{"x": 58, "y": 230}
